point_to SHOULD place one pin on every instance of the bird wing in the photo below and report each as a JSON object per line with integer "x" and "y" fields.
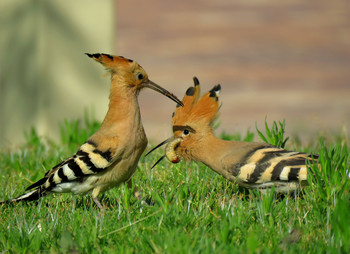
{"x": 89, "y": 160}
{"x": 266, "y": 163}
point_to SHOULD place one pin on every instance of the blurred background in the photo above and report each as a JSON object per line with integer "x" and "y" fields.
{"x": 276, "y": 59}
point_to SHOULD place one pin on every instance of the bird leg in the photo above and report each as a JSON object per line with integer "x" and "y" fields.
{"x": 95, "y": 193}
{"x": 97, "y": 202}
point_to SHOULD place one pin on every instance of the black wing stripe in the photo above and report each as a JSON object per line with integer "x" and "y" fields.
{"x": 246, "y": 158}
{"x": 312, "y": 157}
{"x": 294, "y": 174}
{"x": 61, "y": 175}
{"x": 235, "y": 169}
{"x": 278, "y": 170}
{"x": 106, "y": 155}
{"x": 272, "y": 154}
{"x": 50, "y": 184}
{"x": 296, "y": 162}
{"x": 75, "y": 168}
{"x": 91, "y": 143}
{"x": 49, "y": 171}
{"x": 258, "y": 171}
{"x": 85, "y": 158}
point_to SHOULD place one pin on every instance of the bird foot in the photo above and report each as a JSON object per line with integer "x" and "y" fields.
{"x": 97, "y": 202}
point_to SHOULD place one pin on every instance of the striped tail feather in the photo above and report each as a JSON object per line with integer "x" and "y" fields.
{"x": 28, "y": 196}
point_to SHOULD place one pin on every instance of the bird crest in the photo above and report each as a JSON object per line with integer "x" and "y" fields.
{"x": 196, "y": 110}
{"x": 112, "y": 63}
{"x": 195, "y": 117}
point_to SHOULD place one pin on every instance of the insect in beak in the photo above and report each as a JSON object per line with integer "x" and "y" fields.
{"x": 170, "y": 152}
{"x": 163, "y": 91}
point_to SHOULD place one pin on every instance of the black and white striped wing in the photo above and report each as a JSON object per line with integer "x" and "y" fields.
{"x": 87, "y": 161}
{"x": 264, "y": 166}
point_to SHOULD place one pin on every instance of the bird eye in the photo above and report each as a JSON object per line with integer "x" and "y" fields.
{"x": 140, "y": 76}
{"x": 186, "y": 132}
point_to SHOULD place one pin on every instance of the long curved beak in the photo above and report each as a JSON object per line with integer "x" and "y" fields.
{"x": 157, "y": 146}
{"x": 160, "y": 144}
{"x": 161, "y": 90}
{"x": 159, "y": 160}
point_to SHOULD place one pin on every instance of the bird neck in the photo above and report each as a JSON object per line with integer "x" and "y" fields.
{"x": 211, "y": 151}
{"x": 123, "y": 113}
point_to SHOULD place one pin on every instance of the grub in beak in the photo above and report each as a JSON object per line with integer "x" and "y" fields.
{"x": 170, "y": 152}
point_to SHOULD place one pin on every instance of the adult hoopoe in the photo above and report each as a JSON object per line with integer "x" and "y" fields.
{"x": 110, "y": 156}
{"x": 251, "y": 165}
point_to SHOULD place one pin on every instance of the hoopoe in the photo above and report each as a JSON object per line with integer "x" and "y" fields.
{"x": 250, "y": 164}
{"x": 110, "y": 156}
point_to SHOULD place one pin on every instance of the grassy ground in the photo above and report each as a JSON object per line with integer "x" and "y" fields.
{"x": 193, "y": 210}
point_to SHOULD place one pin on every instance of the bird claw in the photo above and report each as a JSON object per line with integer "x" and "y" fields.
{"x": 97, "y": 202}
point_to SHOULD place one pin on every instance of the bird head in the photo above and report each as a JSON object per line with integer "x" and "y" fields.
{"x": 131, "y": 73}
{"x": 191, "y": 123}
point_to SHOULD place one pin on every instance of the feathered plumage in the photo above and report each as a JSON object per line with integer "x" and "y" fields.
{"x": 110, "y": 156}
{"x": 250, "y": 164}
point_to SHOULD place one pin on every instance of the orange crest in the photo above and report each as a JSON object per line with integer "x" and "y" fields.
{"x": 110, "y": 61}
{"x": 195, "y": 110}
{"x": 116, "y": 64}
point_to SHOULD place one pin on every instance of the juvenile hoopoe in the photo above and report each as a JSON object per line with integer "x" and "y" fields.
{"x": 250, "y": 164}
{"x": 110, "y": 156}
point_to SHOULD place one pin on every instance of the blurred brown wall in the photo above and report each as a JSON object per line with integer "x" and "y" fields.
{"x": 280, "y": 59}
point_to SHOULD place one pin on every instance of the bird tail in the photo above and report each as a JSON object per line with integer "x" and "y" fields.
{"x": 28, "y": 196}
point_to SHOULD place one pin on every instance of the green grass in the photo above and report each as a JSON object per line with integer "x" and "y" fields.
{"x": 193, "y": 210}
